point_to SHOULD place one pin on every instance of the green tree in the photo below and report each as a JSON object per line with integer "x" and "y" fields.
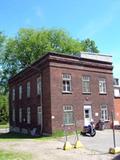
{"x": 2, "y": 48}
{"x": 30, "y": 44}
{"x": 89, "y": 46}
{"x": 3, "y": 109}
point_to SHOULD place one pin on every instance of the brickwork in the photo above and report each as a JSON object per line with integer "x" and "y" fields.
{"x": 51, "y": 67}
{"x": 117, "y": 108}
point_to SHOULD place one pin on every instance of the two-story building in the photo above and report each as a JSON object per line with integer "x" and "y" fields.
{"x": 58, "y": 90}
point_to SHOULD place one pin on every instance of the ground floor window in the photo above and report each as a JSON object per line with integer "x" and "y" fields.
{"x": 68, "y": 114}
{"x": 104, "y": 113}
{"x": 28, "y": 115}
{"x": 13, "y": 114}
{"x": 20, "y": 115}
{"x": 39, "y": 115}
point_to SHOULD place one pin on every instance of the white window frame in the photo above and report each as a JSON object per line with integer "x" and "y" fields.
{"x": 20, "y": 91}
{"x": 28, "y": 115}
{"x": 13, "y": 94}
{"x": 68, "y": 113}
{"x": 66, "y": 82}
{"x": 39, "y": 86}
{"x": 28, "y": 89}
{"x": 104, "y": 112}
{"x": 102, "y": 86}
{"x": 20, "y": 115}
{"x": 39, "y": 115}
{"x": 85, "y": 84}
{"x": 13, "y": 114}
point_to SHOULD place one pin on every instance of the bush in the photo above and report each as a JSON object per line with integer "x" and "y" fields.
{"x": 3, "y": 109}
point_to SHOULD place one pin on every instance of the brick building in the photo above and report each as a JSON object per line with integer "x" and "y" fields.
{"x": 117, "y": 99}
{"x": 58, "y": 89}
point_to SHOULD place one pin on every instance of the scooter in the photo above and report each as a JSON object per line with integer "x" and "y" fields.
{"x": 89, "y": 130}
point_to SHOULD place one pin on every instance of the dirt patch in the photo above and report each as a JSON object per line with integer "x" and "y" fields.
{"x": 52, "y": 150}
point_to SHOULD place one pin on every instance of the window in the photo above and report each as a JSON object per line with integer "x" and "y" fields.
{"x": 38, "y": 85}
{"x": 104, "y": 112}
{"x": 116, "y": 81}
{"x": 66, "y": 82}
{"x": 28, "y": 89}
{"x": 28, "y": 115}
{"x": 20, "y": 115}
{"x": 13, "y": 114}
{"x": 68, "y": 115}
{"x": 13, "y": 94}
{"x": 39, "y": 115}
{"x": 86, "y": 84}
{"x": 20, "y": 92}
{"x": 102, "y": 86}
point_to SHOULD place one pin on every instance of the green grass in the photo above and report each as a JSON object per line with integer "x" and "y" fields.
{"x": 10, "y": 155}
{"x": 18, "y": 136}
{"x": 4, "y": 126}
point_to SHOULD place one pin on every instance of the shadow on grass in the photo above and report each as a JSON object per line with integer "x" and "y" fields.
{"x": 16, "y": 136}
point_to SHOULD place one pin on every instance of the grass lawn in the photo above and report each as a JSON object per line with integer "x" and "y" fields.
{"x": 17, "y": 136}
{"x": 9, "y": 155}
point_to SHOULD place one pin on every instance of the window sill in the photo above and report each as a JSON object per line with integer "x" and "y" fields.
{"x": 102, "y": 93}
{"x": 86, "y": 93}
{"x": 69, "y": 124}
{"x": 66, "y": 92}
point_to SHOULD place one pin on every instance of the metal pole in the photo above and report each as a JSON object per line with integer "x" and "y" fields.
{"x": 114, "y": 140}
{"x": 75, "y": 127}
{"x": 65, "y": 133}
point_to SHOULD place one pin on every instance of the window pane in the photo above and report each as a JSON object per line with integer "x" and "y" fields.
{"x": 28, "y": 89}
{"x": 39, "y": 85}
{"x": 66, "y": 78}
{"x": 102, "y": 86}
{"x": 68, "y": 114}
{"x": 86, "y": 84}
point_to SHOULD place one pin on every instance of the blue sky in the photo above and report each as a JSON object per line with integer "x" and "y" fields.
{"x": 98, "y": 20}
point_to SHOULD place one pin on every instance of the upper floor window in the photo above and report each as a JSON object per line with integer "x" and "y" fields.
{"x": 28, "y": 89}
{"x": 102, "y": 86}
{"x": 38, "y": 85}
{"x": 20, "y": 92}
{"x": 86, "y": 84}
{"x": 68, "y": 114}
{"x": 116, "y": 81}
{"x": 28, "y": 115}
{"x": 13, "y": 94}
{"x": 104, "y": 112}
{"x": 66, "y": 78}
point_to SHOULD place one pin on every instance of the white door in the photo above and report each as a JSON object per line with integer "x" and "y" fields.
{"x": 87, "y": 114}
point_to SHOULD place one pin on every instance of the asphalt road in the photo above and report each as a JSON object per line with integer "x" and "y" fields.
{"x": 101, "y": 142}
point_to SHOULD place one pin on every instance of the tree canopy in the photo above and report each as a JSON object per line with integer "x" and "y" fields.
{"x": 31, "y": 44}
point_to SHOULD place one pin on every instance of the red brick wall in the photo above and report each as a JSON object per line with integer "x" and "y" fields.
{"x": 52, "y": 97}
{"x": 117, "y": 108}
{"x": 76, "y": 98}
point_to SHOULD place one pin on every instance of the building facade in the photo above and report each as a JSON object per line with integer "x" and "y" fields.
{"x": 117, "y": 99}
{"x": 58, "y": 90}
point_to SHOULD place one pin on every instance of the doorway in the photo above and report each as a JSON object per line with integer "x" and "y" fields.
{"x": 87, "y": 115}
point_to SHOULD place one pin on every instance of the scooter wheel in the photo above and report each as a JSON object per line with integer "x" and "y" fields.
{"x": 93, "y": 133}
